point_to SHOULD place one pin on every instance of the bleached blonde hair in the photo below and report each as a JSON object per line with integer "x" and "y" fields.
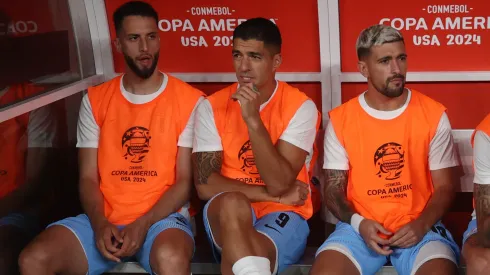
{"x": 376, "y": 35}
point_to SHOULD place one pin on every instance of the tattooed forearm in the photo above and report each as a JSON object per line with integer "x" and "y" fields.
{"x": 336, "y": 195}
{"x": 205, "y": 163}
{"x": 482, "y": 203}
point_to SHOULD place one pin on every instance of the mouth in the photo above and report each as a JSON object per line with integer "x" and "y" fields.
{"x": 397, "y": 80}
{"x": 246, "y": 79}
{"x": 145, "y": 60}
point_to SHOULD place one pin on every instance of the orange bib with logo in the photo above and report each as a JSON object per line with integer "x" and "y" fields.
{"x": 138, "y": 145}
{"x": 238, "y": 157}
{"x": 389, "y": 179}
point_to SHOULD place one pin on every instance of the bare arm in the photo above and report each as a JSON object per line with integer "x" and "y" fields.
{"x": 444, "y": 181}
{"x": 178, "y": 194}
{"x": 209, "y": 182}
{"x": 278, "y": 167}
{"x": 90, "y": 195}
{"x": 482, "y": 203}
{"x": 335, "y": 193}
{"x": 481, "y": 158}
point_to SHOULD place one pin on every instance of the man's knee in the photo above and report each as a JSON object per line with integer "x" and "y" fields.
{"x": 166, "y": 258}
{"x": 33, "y": 256}
{"x": 234, "y": 204}
{"x": 475, "y": 257}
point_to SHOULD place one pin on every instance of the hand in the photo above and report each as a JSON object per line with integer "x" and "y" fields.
{"x": 369, "y": 232}
{"x": 107, "y": 238}
{"x": 296, "y": 194}
{"x": 249, "y": 101}
{"x": 409, "y": 235}
{"x": 133, "y": 236}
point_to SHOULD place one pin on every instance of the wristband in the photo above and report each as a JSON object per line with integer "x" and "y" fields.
{"x": 355, "y": 221}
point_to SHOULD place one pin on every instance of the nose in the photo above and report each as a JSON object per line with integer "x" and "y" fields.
{"x": 395, "y": 67}
{"x": 245, "y": 64}
{"x": 143, "y": 45}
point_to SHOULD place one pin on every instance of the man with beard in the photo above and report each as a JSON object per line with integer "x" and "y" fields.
{"x": 135, "y": 136}
{"x": 389, "y": 169}
{"x": 253, "y": 152}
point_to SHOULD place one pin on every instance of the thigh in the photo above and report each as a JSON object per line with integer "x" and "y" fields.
{"x": 211, "y": 221}
{"x": 82, "y": 235}
{"x": 347, "y": 241}
{"x": 288, "y": 232}
{"x": 438, "y": 243}
{"x": 171, "y": 233}
{"x": 336, "y": 261}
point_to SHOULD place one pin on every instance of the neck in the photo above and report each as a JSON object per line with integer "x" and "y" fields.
{"x": 266, "y": 91}
{"x": 139, "y": 86}
{"x": 380, "y": 102}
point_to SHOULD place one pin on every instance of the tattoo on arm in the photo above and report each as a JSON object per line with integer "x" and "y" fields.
{"x": 205, "y": 163}
{"x": 336, "y": 195}
{"x": 482, "y": 203}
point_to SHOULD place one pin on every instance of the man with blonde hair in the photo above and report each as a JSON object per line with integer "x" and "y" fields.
{"x": 389, "y": 162}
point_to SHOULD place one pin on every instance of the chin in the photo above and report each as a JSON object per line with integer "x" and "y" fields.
{"x": 393, "y": 94}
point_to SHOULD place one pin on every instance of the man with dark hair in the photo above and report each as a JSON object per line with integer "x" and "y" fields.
{"x": 135, "y": 138}
{"x": 253, "y": 149}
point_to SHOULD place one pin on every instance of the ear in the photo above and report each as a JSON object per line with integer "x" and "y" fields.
{"x": 118, "y": 45}
{"x": 363, "y": 68}
{"x": 276, "y": 61}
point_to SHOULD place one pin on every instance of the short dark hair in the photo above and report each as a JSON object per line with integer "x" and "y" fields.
{"x": 133, "y": 8}
{"x": 260, "y": 29}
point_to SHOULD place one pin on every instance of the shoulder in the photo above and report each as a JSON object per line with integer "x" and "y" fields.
{"x": 182, "y": 87}
{"x": 344, "y": 108}
{"x": 426, "y": 101}
{"x": 221, "y": 97}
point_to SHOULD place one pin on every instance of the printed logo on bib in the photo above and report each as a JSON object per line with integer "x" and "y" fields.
{"x": 389, "y": 160}
{"x": 246, "y": 157}
{"x": 136, "y": 143}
